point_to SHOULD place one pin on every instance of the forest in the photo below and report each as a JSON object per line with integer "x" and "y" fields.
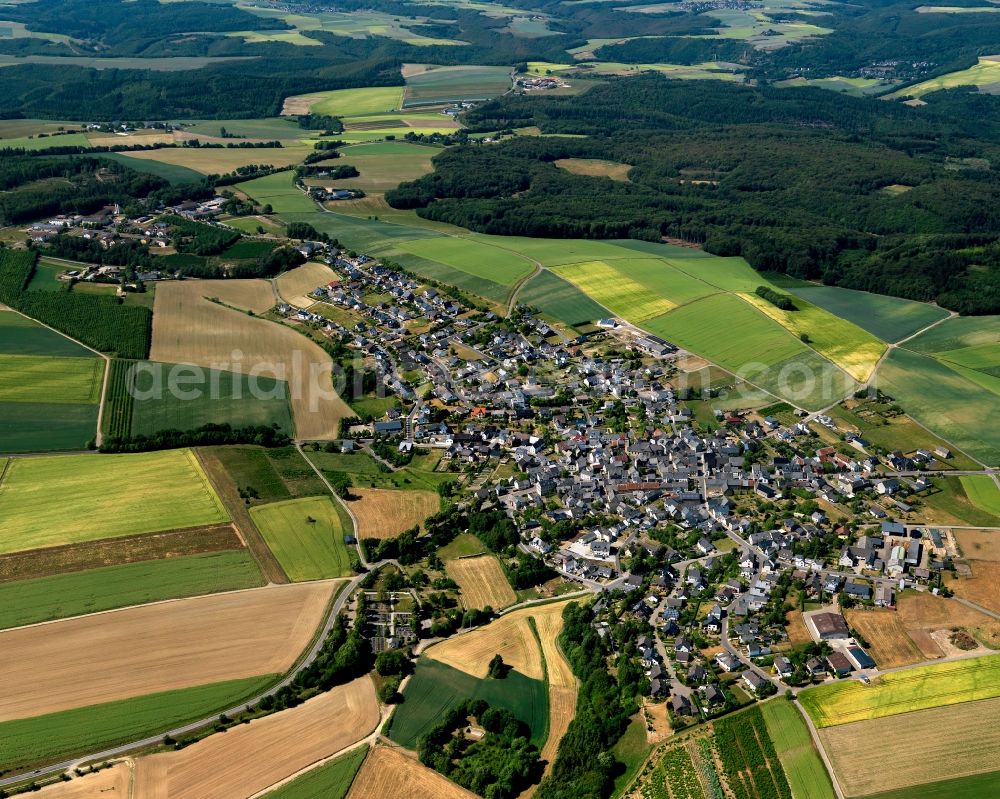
{"x": 792, "y": 181}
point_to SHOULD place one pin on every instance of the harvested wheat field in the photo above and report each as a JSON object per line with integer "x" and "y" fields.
{"x": 510, "y": 636}
{"x": 958, "y": 741}
{"x": 145, "y": 650}
{"x": 295, "y": 285}
{"x": 385, "y": 513}
{"x": 979, "y": 544}
{"x": 798, "y": 633}
{"x": 562, "y": 682}
{"x": 188, "y": 328}
{"x": 924, "y": 613}
{"x": 888, "y": 641}
{"x": 111, "y": 783}
{"x": 983, "y": 587}
{"x": 252, "y": 757}
{"x": 481, "y": 582}
{"x": 219, "y": 160}
{"x": 389, "y": 773}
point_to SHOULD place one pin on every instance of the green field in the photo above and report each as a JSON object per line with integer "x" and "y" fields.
{"x": 366, "y": 473}
{"x": 30, "y": 378}
{"x": 46, "y": 277}
{"x": 358, "y": 102}
{"x": 22, "y": 336}
{"x": 619, "y": 287}
{"x": 952, "y": 404}
{"x": 44, "y": 427}
{"x": 57, "y": 597}
{"x": 435, "y": 688}
{"x": 731, "y": 333}
{"x": 802, "y": 764}
{"x": 957, "y": 334}
{"x": 364, "y": 235}
{"x": 889, "y": 318}
{"x": 330, "y": 781}
{"x": 41, "y": 498}
{"x": 175, "y": 173}
{"x": 475, "y": 255}
{"x": 985, "y": 74}
{"x": 982, "y": 492}
{"x": 454, "y": 84}
{"x": 384, "y": 165}
{"x": 306, "y": 536}
{"x": 278, "y": 191}
{"x": 462, "y": 546}
{"x": 953, "y": 500}
{"x": 224, "y": 397}
{"x": 268, "y": 129}
{"x": 975, "y": 786}
{"x": 559, "y": 299}
{"x": 46, "y": 739}
{"x": 903, "y": 691}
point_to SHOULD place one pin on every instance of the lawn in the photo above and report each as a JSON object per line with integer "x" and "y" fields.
{"x": 206, "y": 396}
{"x": 46, "y": 739}
{"x": 330, "y": 781}
{"x": 41, "y": 498}
{"x": 22, "y": 336}
{"x": 904, "y": 691}
{"x": 278, "y": 191}
{"x": 357, "y": 102}
{"x": 435, "y": 688}
{"x": 54, "y": 380}
{"x": 889, "y": 318}
{"x": 44, "y": 427}
{"x": 955, "y": 407}
{"x": 559, "y": 299}
{"x": 306, "y": 536}
{"x": 78, "y": 593}
{"x": 474, "y": 256}
{"x": 453, "y": 84}
{"x": 802, "y": 764}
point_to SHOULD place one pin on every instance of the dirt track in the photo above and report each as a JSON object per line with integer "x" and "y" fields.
{"x": 144, "y": 650}
{"x": 251, "y": 758}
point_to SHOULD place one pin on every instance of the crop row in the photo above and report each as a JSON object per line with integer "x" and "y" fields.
{"x": 118, "y": 405}
{"x": 674, "y": 777}
{"x": 748, "y": 757}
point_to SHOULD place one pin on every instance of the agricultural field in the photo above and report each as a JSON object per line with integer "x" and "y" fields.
{"x": 435, "y": 687}
{"x": 982, "y": 549}
{"x": 972, "y": 787}
{"x": 982, "y": 492}
{"x": 930, "y": 619}
{"x": 113, "y": 781}
{"x": 306, "y": 536}
{"x": 481, "y": 582}
{"x": 55, "y": 736}
{"x": 296, "y": 285}
{"x": 347, "y": 103}
{"x": 594, "y": 167}
{"x": 793, "y": 744}
{"x": 252, "y": 757}
{"x": 205, "y": 396}
{"x": 958, "y": 741}
{"x": 267, "y": 129}
{"x": 748, "y": 755}
{"x": 167, "y": 490}
{"x": 617, "y": 290}
{"x": 221, "y": 160}
{"x": 273, "y": 474}
{"x": 985, "y": 75}
{"x": 389, "y": 772}
{"x": 162, "y": 647}
{"x": 960, "y": 333}
{"x": 559, "y": 299}
{"x": 74, "y": 594}
{"x": 889, "y": 644}
{"x": 384, "y": 165}
{"x": 71, "y": 381}
{"x": 889, "y": 318}
{"x": 949, "y": 403}
{"x": 365, "y": 471}
{"x": 22, "y": 336}
{"x": 332, "y": 780}
{"x": 188, "y": 328}
{"x": 484, "y": 258}
{"x": 382, "y": 513}
{"x": 904, "y": 691}
{"x": 278, "y": 191}
{"x": 427, "y": 84}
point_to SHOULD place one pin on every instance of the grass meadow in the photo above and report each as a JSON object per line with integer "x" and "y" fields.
{"x": 330, "y": 781}
{"x": 904, "y": 691}
{"x": 45, "y": 739}
{"x": 278, "y": 191}
{"x": 803, "y": 767}
{"x": 384, "y": 165}
{"x": 41, "y": 498}
{"x": 306, "y": 536}
{"x": 454, "y": 84}
{"x": 176, "y": 173}
{"x": 63, "y": 595}
{"x": 348, "y": 103}
{"x": 982, "y": 492}
{"x": 435, "y": 688}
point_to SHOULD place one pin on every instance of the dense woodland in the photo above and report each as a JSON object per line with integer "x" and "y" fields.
{"x": 791, "y": 180}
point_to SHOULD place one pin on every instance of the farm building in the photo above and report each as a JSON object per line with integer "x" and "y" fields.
{"x": 830, "y": 626}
